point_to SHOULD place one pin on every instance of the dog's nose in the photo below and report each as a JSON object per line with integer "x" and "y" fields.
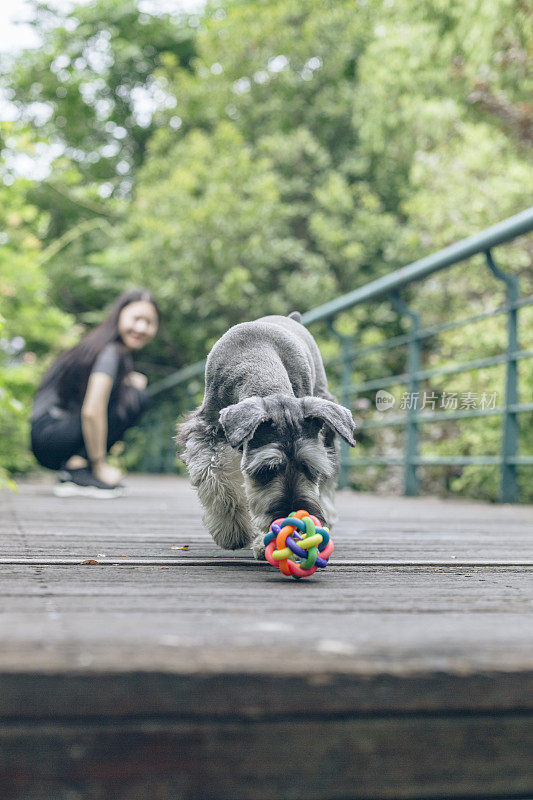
{"x": 311, "y": 508}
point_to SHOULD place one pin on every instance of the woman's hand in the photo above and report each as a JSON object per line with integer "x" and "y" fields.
{"x": 137, "y": 380}
{"x": 106, "y": 473}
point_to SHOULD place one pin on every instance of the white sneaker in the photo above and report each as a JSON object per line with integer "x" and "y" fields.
{"x": 82, "y": 483}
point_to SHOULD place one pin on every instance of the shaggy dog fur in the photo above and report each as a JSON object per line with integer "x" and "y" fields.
{"x": 264, "y": 441}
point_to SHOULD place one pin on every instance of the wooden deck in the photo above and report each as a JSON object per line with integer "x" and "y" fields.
{"x": 405, "y": 670}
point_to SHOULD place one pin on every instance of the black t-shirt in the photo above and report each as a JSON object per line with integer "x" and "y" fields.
{"x": 48, "y": 398}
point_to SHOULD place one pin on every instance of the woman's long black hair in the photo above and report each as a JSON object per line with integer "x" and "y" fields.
{"x": 71, "y": 370}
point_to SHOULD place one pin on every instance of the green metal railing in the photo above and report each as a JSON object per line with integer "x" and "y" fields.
{"x": 387, "y": 290}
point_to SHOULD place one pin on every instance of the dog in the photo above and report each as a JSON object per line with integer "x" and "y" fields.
{"x": 264, "y": 442}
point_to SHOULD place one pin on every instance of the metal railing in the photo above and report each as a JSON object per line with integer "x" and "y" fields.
{"x": 387, "y": 290}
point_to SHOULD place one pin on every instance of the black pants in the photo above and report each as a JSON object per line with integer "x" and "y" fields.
{"x": 57, "y": 435}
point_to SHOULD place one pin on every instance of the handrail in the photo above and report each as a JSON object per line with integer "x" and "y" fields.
{"x": 388, "y": 288}
{"x": 502, "y": 232}
{"x": 482, "y": 242}
{"x": 180, "y": 376}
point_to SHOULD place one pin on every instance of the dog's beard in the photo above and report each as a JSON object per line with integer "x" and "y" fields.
{"x": 276, "y": 485}
{"x": 276, "y": 500}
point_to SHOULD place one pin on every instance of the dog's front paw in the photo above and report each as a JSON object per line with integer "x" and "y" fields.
{"x": 258, "y": 547}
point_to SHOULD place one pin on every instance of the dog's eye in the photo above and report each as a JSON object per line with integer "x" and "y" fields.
{"x": 267, "y": 473}
{"x": 310, "y": 473}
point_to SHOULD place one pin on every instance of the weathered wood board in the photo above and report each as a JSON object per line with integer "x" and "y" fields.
{"x": 405, "y": 670}
{"x": 162, "y": 512}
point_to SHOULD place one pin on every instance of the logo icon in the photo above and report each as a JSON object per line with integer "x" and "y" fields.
{"x": 384, "y": 400}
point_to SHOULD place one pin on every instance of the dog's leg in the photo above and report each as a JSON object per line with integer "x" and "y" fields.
{"x": 222, "y": 496}
{"x": 255, "y": 501}
{"x": 258, "y": 544}
{"x": 215, "y": 472}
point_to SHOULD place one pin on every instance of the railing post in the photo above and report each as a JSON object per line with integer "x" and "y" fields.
{"x": 414, "y": 360}
{"x": 346, "y": 345}
{"x": 509, "y": 489}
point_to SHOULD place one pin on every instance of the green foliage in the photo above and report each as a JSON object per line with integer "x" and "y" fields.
{"x": 93, "y": 92}
{"x": 263, "y": 156}
{"x": 92, "y": 86}
{"x": 29, "y": 327}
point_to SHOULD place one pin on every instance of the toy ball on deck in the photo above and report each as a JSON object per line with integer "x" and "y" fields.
{"x": 298, "y": 536}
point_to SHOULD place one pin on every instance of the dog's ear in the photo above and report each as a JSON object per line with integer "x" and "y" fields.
{"x": 241, "y": 420}
{"x": 334, "y": 415}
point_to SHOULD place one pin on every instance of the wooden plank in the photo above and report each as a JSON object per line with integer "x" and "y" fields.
{"x": 261, "y": 591}
{"x": 169, "y": 640}
{"x": 71, "y": 696}
{"x": 163, "y": 513}
{"x": 361, "y": 619}
{"x": 165, "y": 673}
{"x": 221, "y": 561}
{"x": 376, "y": 646}
{"x": 302, "y": 759}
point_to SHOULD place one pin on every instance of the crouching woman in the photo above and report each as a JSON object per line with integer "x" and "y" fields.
{"x": 90, "y": 396}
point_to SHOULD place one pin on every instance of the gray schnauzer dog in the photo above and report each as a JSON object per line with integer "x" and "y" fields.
{"x": 264, "y": 441}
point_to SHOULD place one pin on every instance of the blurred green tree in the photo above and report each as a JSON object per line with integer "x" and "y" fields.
{"x": 30, "y": 328}
{"x": 264, "y": 156}
{"x": 91, "y": 96}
